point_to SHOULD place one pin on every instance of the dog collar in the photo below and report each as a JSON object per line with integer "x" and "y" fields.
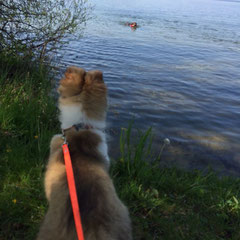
{"x": 81, "y": 126}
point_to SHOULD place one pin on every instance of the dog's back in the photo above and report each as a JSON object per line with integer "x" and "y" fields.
{"x": 103, "y": 214}
{"x": 83, "y": 100}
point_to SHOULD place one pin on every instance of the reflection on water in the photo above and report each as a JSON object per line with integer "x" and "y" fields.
{"x": 179, "y": 72}
{"x": 210, "y": 140}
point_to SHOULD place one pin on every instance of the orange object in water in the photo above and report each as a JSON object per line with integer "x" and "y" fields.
{"x": 134, "y": 24}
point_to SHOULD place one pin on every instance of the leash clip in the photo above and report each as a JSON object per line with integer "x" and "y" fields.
{"x": 64, "y": 137}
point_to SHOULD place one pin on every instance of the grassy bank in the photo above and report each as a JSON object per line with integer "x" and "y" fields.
{"x": 171, "y": 203}
{"x": 27, "y": 122}
{"x": 164, "y": 203}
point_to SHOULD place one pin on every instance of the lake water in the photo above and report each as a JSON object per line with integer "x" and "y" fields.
{"x": 179, "y": 73}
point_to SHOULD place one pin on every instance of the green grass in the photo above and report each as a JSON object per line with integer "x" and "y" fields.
{"x": 27, "y": 122}
{"x": 169, "y": 203}
{"x": 164, "y": 203}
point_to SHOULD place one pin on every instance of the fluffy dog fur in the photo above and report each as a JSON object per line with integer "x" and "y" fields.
{"x": 83, "y": 99}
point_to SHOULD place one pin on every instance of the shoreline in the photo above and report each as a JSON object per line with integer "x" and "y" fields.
{"x": 164, "y": 203}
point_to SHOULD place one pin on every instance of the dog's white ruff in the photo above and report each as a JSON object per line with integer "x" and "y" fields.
{"x": 73, "y": 114}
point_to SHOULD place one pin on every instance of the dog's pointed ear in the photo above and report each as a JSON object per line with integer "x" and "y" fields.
{"x": 74, "y": 75}
{"x": 94, "y": 76}
{"x": 68, "y": 74}
{"x": 72, "y": 82}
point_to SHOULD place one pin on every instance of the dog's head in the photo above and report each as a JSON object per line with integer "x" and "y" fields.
{"x": 76, "y": 79}
{"x": 87, "y": 88}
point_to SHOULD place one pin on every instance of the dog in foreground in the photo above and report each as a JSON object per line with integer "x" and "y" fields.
{"x": 83, "y": 105}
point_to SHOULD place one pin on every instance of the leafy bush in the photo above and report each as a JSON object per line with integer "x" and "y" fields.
{"x": 34, "y": 28}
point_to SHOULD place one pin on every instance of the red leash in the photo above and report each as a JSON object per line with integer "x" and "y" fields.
{"x": 72, "y": 191}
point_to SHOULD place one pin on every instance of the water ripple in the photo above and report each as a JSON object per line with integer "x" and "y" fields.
{"x": 179, "y": 72}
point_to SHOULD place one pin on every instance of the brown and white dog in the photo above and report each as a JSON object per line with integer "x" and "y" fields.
{"x": 83, "y": 100}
